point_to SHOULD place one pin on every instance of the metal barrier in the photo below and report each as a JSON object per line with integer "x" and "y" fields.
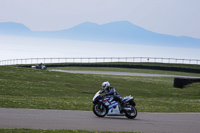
{"x": 98, "y": 60}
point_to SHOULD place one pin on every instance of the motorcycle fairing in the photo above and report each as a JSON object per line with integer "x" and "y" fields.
{"x": 113, "y": 107}
{"x": 127, "y": 98}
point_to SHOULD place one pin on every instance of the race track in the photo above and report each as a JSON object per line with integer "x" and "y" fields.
{"x": 86, "y": 120}
{"x": 123, "y": 73}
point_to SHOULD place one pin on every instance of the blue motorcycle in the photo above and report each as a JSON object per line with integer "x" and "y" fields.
{"x": 105, "y": 105}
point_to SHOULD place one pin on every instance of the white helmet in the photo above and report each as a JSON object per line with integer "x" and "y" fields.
{"x": 105, "y": 85}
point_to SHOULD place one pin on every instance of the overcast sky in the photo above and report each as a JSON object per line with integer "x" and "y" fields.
{"x": 174, "y": 17}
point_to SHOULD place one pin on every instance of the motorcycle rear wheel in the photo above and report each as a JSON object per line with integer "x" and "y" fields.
{"x": 131, "y": 114}
{"x": 99, "y": 110}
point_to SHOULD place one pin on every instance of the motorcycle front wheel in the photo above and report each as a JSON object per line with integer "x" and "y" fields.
{"x": 99, "y": 110}
{"x": 131, "y": 114}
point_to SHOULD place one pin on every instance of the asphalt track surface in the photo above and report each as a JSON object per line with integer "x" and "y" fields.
{"x": 123, "y": 73}
{"x": 86, "y": 120}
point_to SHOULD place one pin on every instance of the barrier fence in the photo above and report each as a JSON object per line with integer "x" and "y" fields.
{"x": 98, "y": 60}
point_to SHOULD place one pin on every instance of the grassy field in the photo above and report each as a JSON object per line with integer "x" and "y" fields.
{"x": 191, "y": 66}
{"x": 40, "y": 89}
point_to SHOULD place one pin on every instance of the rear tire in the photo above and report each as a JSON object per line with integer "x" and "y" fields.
{"x": 131, "y": 114}
{"x": 100, "y": 110}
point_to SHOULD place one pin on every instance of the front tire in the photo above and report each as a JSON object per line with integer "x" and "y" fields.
{"x": 100, "y": 110}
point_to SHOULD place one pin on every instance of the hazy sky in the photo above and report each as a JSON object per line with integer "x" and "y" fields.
{"x": 15, "y": 47}
{"x": 174, "y": 17}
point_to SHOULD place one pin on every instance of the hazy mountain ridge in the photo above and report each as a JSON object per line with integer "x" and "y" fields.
{"x": 10, "y": 27}
{"x": 115, "y": 32}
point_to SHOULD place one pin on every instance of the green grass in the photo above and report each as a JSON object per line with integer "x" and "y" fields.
{"x": 191, "y": 66}
{"x": 54, "y": 131}
{"x": 40, "y": 89}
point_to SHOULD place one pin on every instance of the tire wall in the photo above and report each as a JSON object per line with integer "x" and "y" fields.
{"x": 181, "y": 82}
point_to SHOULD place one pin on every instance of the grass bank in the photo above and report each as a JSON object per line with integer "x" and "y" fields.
{"x": 169, "y": 65}
{"x": 39, "y": 89}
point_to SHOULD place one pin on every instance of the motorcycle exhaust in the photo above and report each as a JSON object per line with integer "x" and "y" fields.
{"x": 127, "y": 108}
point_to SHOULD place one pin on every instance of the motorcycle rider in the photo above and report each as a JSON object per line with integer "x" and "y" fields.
{"x": 110, "y": 91}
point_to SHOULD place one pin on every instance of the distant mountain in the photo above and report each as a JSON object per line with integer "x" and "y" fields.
{"x": 115, "y": 32}
{"x": 13, "y": 28}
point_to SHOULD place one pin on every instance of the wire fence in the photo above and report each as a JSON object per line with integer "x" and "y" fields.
{"x": 98, "y": 60}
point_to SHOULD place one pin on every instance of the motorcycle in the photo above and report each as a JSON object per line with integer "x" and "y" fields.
{"x": 105, "y": 105}
{"x": 41, "y": 66}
